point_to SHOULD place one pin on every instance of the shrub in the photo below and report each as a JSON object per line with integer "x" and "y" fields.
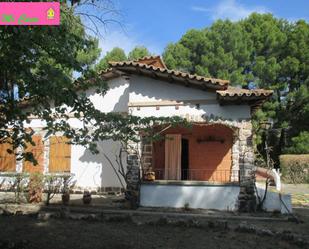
{"x": 53, "y": 185}
{"x": 35, "y": 187}
{"x": 295, "y": 168}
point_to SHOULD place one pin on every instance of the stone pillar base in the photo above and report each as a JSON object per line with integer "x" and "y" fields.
{"x": 247, "y": 198}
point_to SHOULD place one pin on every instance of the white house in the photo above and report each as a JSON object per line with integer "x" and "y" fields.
{"x": 206, "y": 166}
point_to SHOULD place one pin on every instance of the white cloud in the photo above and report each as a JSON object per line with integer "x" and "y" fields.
{"x": 125, "y": 40}
{"x": 117, "y": 39}
{"x": 229, "y": 9}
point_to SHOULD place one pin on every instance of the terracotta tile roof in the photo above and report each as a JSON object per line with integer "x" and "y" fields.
{"x": 155, "y": 61}
{"x": 255, "y": 98}
{"x": 237, "y": 92}
{"x": 132, "y": 66}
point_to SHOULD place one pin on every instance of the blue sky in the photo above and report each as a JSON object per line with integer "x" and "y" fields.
{"x": 156, "y": 23}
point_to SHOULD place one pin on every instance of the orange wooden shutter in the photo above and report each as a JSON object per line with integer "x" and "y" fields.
{"x": 38, "y": 153}
{"x": 7, "y": 161}
{"x": 59, "y": 154}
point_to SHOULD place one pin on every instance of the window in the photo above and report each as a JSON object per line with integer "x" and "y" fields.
{"x": 38, "y": 153}
{"x": 7, "y": 161}
{"x": 59, "y": 154}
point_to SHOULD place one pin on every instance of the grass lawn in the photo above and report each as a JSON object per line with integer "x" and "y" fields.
{"x": 299, "y": 193}
{"x": 300, "y": 199}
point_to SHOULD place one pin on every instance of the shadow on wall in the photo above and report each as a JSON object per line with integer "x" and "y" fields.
{"x": 145, "y": 89}
{"x": 150, "y": 88}
{"x": 178, "y": 196}
{"x": 116, "y": 98}
{"x": 122, "y": 104}
{"x": 108, "y": 175}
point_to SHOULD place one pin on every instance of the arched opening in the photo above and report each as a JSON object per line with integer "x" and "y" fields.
{"x": 200, "y": 153}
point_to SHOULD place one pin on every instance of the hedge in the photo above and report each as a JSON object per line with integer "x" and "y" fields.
{"x": 295, "y": 168}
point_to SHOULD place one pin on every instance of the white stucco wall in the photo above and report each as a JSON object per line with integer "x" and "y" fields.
{"x": 116, "y": 98}
{"x": 273, "y": 202}
{"x": 94, "y": 171}
{"x": 177, "y": 196}
{"x": 148, "y": 89}
{"x": 143, "y": 89}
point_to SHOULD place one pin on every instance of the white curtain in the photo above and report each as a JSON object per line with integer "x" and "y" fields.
{"x": 173, "y": 157}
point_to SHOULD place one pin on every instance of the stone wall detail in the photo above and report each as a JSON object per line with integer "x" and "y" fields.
{"x": 133, "y": 171}
{"x": 139, "y": 160}
{"x": 247, "y": 197}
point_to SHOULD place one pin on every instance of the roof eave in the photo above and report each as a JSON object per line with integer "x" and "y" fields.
{"x": 252, "y": 100}
{"x": 173, "y": 76}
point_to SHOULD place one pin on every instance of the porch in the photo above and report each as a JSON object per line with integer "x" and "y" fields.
{"x": 201, "y": 153}
{"x": 194, "y": 167}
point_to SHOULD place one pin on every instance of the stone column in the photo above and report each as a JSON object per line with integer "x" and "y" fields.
{"x": 235, "y": 158}
{"x": 133, "y": 167}
{"x": 133, "y": 176}
{"x": 247, "y": 198}
{"x": 139, "y": 160}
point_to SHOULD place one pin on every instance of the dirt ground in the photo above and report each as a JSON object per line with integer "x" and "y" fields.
{"x": 26, "y": 232}
{"x": 29, "y": 232}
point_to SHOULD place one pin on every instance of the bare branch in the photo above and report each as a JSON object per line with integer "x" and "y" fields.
{"x": 113, "y": 167}
{"x": 98, "y": 13}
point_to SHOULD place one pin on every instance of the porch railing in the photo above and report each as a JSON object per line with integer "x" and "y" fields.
{"x": 214, "y": 175}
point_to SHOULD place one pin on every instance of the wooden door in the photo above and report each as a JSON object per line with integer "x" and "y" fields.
{"x": 7, "y": 161}
{"x": 59, "y": 154}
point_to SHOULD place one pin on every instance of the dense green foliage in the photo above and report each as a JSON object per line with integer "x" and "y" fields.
{"x": 270, "y": 52}
{"x": 138, "y": 52}
{"x": 118, "y": 54}
{"x": 34, "y": 68}
{"x": 300, "y": 144}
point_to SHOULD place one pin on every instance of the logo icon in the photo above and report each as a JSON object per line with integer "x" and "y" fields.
{"x": 50, "y": 14}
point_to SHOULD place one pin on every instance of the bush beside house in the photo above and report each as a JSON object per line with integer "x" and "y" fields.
{"x": 295, "y": 168}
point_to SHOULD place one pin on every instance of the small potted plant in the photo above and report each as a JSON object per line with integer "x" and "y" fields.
{"x": 87, "y": 197}
{"x": 150, "y": 175}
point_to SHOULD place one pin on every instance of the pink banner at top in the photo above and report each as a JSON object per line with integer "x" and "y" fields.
{"x": 29, "y": 13}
